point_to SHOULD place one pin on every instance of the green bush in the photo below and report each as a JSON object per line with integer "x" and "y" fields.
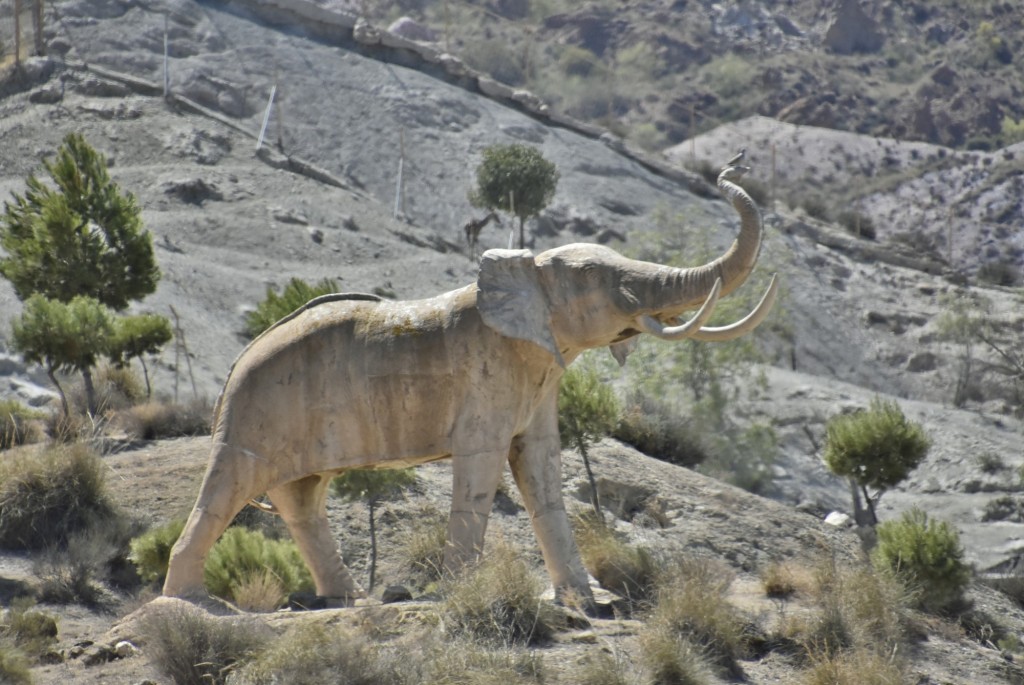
{"x": 19, "y": 424}
{"x": 499, "y": 602}
{"x": 191, "y": 647}
{"x": 275, "y": 307}
{"x": 927, "y": 556}
{"x": 151, "y": 551}
{"x": 241, "y": 554}
{"x": 48, "y": 495}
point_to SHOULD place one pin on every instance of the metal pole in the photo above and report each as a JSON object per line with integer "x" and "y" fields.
{"x": 266, "y": 118}
{"x": 17, "y": 31}
{"x": 167, "y": 71}
{"x": 399, "y": 203}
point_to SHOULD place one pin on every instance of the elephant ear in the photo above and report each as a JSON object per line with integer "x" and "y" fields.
{"x": 511, "y": 300}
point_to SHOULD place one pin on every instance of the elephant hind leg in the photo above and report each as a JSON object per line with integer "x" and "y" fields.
{"x": 303, "y": 506}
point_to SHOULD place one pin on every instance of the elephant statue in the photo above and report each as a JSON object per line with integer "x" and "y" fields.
{"x": 351, "y": 381}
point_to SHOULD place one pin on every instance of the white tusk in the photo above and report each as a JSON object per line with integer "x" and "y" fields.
{"x": 648, "y": 324}
{"x": 744, "y": 325}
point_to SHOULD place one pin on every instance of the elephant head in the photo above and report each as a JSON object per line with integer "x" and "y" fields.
{"x": 580, "y": 296}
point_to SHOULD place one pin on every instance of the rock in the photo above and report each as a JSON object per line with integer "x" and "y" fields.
{"x": 853, "y": 31}
{"x": 125, "y": 649}
{"x": 365, "y": 33}
{"x": 923, "y": 361}
{"x": 395, "y": 593}
{"x": 406, "y": 27}
{"x": 839, "y": 520}
{"x": 316, "y": 235}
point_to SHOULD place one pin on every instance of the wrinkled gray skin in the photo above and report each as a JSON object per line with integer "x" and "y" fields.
{"x": 472, "y": 375}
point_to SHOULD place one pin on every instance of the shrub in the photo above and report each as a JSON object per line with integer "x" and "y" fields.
{"x": 32, "y": 631}
{"x": 192, "y": 648}
{"x": 160, "y": 420}
{"x": 1003, "y": 273}
{"x": 275, "y": 307}
{"x": 671, "y": 659}
{"x": 499, "y": 602}
{"x": 650, "y": 426}
{"x": 858, "y": 667}
{"x": 14, "y": 665}
{"x": 73, "y": 574}
{"x": 48, "y": 495}
{"x": 242, "y": 553}
{"x": 858, "y": 224}
{"x": 19, "y": 425}
{"x": 315, "y": 653}
{"x": 693, "y": 608}
{"x": 628, "y": 571}
{"x": 151, "y": 551}
{"x": 927, "y": 556}
{"x": 816, "y": 208}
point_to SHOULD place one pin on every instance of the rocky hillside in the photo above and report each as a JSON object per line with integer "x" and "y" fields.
{"x": 862, "y": 312}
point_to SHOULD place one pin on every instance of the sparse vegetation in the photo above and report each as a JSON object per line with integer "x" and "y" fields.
{"x": 158, "y": 420}
{"x": 423, "y": 544}
{"x": 151, "y": 551}
{"x": 650, "y": 425}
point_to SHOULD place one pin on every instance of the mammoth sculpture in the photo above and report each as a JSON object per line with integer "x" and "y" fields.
{"x": 350, "y": 381}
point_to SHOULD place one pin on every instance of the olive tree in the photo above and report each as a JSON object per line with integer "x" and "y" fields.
{"x": 516, "y": 179}
{"x": 875, "y": 448}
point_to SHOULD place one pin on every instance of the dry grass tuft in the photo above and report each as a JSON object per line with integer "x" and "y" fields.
{"x": 693, "y": 613}
{"x": 191, "y": 647}
{"x": 156, "y": 420}
{"x": 499, "y": 602}
{"x": 631, "y": 572}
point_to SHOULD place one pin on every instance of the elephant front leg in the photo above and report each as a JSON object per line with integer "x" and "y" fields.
{"x": 302, "y": 505}
{"x": 536, "y": 462}
{"x": 475, "y": 479}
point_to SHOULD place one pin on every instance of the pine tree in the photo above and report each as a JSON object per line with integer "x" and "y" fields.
{"x": 83, "y": 237}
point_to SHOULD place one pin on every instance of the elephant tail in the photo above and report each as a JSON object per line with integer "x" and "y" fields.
{"x": 264, "y": 507}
